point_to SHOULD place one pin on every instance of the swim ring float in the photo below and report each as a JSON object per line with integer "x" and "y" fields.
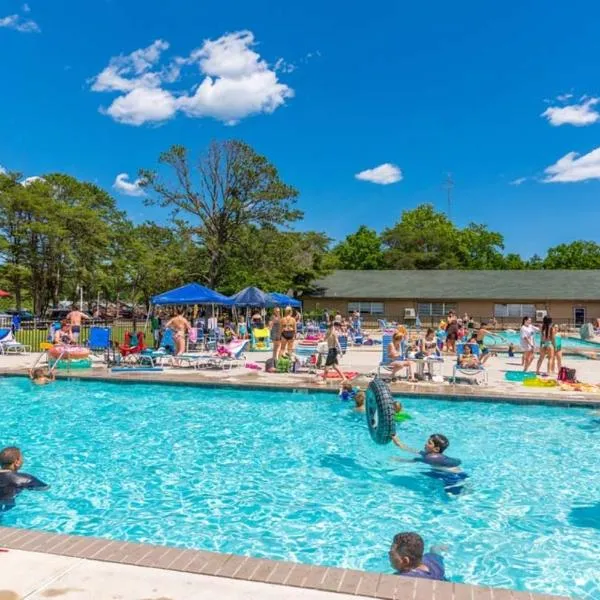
{"x": 380, "y": 412}
{"x": 64, "y": 352}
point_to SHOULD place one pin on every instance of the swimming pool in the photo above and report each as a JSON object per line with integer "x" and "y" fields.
{"x": 503, "y": 338}
{"x": 295, "y": 476}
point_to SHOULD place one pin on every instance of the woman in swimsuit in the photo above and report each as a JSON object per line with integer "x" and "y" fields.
{"x": 179, "y": 325}
{"x": 556, "y": 360}
{"x": 288, "y": 332}
{"x": 546, "y": 344}
{"x": 63, "y": 335}
{"x": 275, "y": 327}
{"x": 396, "y": 361}
{"x": 429, "y": 343}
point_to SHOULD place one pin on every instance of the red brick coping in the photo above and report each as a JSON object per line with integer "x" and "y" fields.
{"x": 330, "y": 579}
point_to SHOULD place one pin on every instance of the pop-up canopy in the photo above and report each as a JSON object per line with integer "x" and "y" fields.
{"x": 192, "y": 293}
{"x": 253, "y": 297}
{"x": 283, "y": 300}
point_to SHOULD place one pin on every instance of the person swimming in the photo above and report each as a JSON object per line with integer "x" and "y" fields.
{"x": 443, "y": 467}
{"x": 41, "y": 376}
{"x": 11, "y": 481}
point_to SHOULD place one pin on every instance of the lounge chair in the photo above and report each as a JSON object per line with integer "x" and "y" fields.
{"x": 8, "y": 344}
{"x": 230, "y": 355}
{"x": 475, "y": 373}
{"x": 260, "y": 339}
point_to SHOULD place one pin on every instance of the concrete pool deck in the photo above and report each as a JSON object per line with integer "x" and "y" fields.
{"x": 363, "y": 360}
{"x": 44, "y": 565}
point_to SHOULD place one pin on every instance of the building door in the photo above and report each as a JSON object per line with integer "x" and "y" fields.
{"x": 579, "y": 316}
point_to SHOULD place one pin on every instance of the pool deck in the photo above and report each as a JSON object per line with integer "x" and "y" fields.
{"x": 41, "y": 565}
{"x": 44, "y": 565}
{"x": 362, "y": 360}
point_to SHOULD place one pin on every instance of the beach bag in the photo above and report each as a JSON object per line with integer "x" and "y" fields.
{"x": 567, "y": 375}
{"x": 283, "y": 365}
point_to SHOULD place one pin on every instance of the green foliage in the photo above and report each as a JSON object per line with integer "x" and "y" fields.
{"x": 576, "y": 255}
{"x": 361, "y": 250}
{"x": 231, "y": 188}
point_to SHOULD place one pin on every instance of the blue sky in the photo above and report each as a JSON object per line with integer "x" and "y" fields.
{"x": 491, "y": 94}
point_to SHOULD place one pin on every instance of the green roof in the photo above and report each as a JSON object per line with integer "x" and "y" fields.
{"x": 461, "y": 285}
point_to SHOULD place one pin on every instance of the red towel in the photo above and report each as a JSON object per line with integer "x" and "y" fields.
{"x": 348, "y": 374}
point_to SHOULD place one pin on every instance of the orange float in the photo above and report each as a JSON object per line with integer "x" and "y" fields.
{"x": 63, "y": 352}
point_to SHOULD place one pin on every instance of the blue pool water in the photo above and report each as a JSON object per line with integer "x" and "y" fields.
{"x": 295, "y": 476}
{"x": 504, "y": 338}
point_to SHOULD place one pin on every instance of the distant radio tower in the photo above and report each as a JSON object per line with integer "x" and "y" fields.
{"x": 449, "y": 185}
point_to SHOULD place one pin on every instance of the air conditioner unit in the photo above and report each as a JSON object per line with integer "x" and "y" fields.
{"x": 409, "y": 313}
{"x": 540, "y": 314}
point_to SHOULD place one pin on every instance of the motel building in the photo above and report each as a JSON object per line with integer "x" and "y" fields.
{"x": 569, "y": 297}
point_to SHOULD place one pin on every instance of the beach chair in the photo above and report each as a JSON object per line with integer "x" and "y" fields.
{"x": 9, "y": 345}
{"x": 307, "y": 353}
{"x": 260, "y": 339}
{"x": 476, "y": 374}
{"x": 384, "y": 364}
{"x": 230, "y": 355}
{"x": 99, "y": 340}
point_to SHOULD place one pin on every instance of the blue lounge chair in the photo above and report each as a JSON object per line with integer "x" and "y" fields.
{"x": 386, "y": 340}
{"x": 475, "y": 373}
{"x": 99, "y": 340}
{"x": 9, "y": 345}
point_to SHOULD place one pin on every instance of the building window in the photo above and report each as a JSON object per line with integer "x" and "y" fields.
{"x": 435, "y": 309}
{"x": 368, "y": 308}
{"x": 514, "y": 310}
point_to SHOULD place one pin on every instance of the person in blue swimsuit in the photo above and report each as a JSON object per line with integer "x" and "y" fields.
{"x": 408, "y": 558}
{"x": 443, "y": 467}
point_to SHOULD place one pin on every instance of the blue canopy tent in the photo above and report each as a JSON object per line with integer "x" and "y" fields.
{"x": 283, "y": 300}
{"x": 192, "y": 293}
{"x": 252, "y": 297}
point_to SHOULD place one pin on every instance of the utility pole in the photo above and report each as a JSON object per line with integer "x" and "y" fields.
{"x": 449, "y": 186}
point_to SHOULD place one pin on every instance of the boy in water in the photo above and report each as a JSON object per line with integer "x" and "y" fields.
{"x": 359, "y": 402}
{"x": 442, "y": 467}
{"x": 41, "y": 377}
{"x": 11, "y": 481}
{"x": 408, "y": 559}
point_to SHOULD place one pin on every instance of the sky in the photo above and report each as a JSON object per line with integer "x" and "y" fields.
{"x": 363, "y": 107}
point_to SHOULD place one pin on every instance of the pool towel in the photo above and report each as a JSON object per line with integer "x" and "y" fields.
{"x": 350, "y": 375}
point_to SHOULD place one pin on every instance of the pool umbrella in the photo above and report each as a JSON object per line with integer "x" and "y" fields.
{"x": 252, "y": 296}
{"x": 192, "y": 293}
{"x": 4, "y": 294}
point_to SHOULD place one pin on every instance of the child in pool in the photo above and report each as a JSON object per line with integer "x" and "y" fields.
{"x": 399, "y": 414}
{"x": 348, "y": 391}
{"x": 41, "y": 377}
{"x": 11, "y": 481}
{"x": 442, "y": 467}
{"x": 359, "y": 402}
{"x": 407, "y": 557}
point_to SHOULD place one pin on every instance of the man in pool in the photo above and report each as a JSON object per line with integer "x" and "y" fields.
{"x": 442, "y": 467}
{"x": 407, "y": 557}
{"x": 11, "y": 481}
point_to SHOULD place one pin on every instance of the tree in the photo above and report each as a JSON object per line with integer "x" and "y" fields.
{"x": 480, "y": 248}
{"x": 234, "y": 187}
{"x": 514, "y": 262}
{"x": 422, "y": 239}
{"x": 576, "y": 255}
{"x": 359, "y": 251}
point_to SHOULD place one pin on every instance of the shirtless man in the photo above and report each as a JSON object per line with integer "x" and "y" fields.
{"x": 74, "y": 318}
{"x": 179, "y": 324}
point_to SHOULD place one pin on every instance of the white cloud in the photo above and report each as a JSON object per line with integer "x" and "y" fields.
{"x": 518, "y": 181}
{"x": 580, "y": 115}
{"x": 29, "y": 180}
{"x": 3, "y": 171}
{"x": 564, "y": 97}
{"x": 129, "y": 188}
{"x": 18, "y": 23}
{"x": 572, "y": 168}
{"x": 237, "y": 83}
{"x": 383, "y": 174}
{"x": 26, "y": 8}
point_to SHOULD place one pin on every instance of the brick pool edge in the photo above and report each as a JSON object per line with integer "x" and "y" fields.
{"x": 326, "y": 579}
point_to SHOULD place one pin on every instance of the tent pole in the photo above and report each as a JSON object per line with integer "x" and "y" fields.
{"x": 147, "y": 319}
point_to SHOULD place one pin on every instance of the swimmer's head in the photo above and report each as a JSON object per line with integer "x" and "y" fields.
{"x": 347, "y": 387}
{"x": 406, "y": 552}
{"x": 397, "y": 407}
{"x": 37, "y": 373}
{"x": 11, "y": 458}
{"x": 437, "y": 443}
{"x": 359, "y": 399}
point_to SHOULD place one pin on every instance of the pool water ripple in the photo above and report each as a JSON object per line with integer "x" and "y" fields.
{"x": 296, "y": 477}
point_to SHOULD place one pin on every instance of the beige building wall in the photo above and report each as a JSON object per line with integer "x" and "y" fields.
{"x": 560, "y": 310}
